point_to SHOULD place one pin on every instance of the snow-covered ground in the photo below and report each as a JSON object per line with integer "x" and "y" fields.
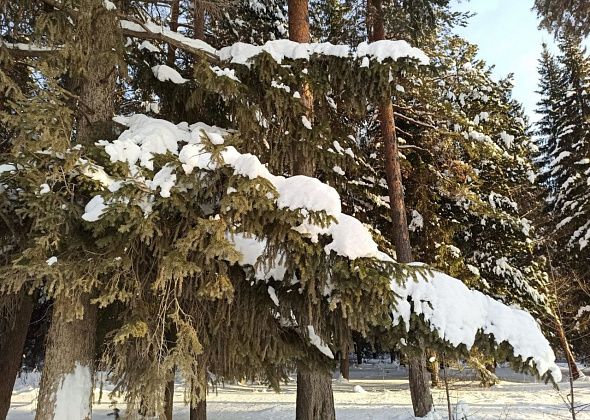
{"x": 376, "y": 391}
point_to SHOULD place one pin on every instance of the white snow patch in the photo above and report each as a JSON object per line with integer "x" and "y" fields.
{"x": 72, "y": 399}
{"x": 51, "y": 260}
{"x": 317, "y": 341}
{"x": 165, "y": 73}
{"x": 44, "y": 189}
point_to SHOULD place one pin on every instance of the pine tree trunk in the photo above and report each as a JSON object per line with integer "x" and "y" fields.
{"x": 198, "y": 409}
{"x": 169, "y": 398}
{"x": 419, "y": 389}
{"x": 174, "y": 13}
{"x": 345, "y": 364}
{"x": 13, "y": 331}
{"x": 571, "y": 361}
{"x": 69, "y": 358}
{"x": 315, "y": 399}
{"x": 199, "y": 20}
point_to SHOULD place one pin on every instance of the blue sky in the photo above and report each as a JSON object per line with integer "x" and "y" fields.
{"x": 507, "y": 35}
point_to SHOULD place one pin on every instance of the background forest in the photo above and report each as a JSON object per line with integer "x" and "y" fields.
{"x": 245, "y": 189}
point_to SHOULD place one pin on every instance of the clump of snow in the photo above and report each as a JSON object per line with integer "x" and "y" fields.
{"x": 109, "y": 5}
{"x": 44, "y": 189}
{"x": 229, "y": 73}
{"x": 94, "y": 209}
{"x": 417, "y": 222}
{"x": 273, "y": 295}
{"x": 306, "y": 122}
{"x": 51, "y": 260}
{"x": 165, "y": 73}
{"x": 393, "y": 50}
{"x": 317, "y": 341}
{"x": 507, "y": 139}
{"x": 147, "y": 45}
{"x": 458, "y": 313}
{"x": 72, "y": 398}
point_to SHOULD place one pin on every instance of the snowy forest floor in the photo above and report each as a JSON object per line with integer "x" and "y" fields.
{"x": 376, "y": 391}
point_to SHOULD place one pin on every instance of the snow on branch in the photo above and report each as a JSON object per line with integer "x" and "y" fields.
{"x": 25, "y": 50}
{"x": 456, "y": 313}
{"x": 279, "y": 50}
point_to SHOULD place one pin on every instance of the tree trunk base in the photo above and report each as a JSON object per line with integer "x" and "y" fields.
{"x": 69, "y": 361}
{"x": 419, "y": 389}
{"x": 13, "y": 333}
{"x": 315, "y": 399}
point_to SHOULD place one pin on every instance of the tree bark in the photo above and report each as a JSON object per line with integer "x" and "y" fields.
{"x": 345, "y": 364}
{"x": 315, "y": 399}
{"x": 12, "y": 340}
{"x": 198, "y": 409}
{"x": 69, "y": 357}
{"x": 419, "y": 389}
{"x": 299, "y": 21}
{"x": 169, "y": 397}
{"x": 199, "y": 20}
{"x": 174, "y": 13}
{"x": 69, "y": 360}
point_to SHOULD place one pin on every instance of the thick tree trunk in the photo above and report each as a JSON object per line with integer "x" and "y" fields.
{"x": 298, "y": 21}
{"x": 69, "y": 357}
{"x": 13, "y": 331}
{"x": 66, "y": 382}
{"x": 169, "y": 398}
{"x": 571, "y": 361}
{"x": 419, "y": 389}
{"x": 199, "y": 20}
{"x": 315, "y": 399}
{"x": 198, "y": 409}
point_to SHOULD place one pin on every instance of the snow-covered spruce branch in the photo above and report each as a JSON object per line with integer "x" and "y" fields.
{"x": 279, "y": 50}
{"x": 454, "y": 312}
{"x": 25, "y": 50}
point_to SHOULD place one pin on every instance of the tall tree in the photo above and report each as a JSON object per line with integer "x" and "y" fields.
{"x": 419, "y": 388}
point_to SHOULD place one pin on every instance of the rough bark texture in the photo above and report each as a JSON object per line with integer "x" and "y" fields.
{"x": 345, "y": 364}
{"x": 169, "y": 398}
{"x": 68, "y": 343}
{"x": 174, "y": 13}
{"x": 419, "y": 389}
{"x": 298, "y": 21}
{"x": 315, "y": 399}
{"x": 71, "y": 342}
{"x": 13, "y": 331}
{"x": 199, "y": 22}
{"x": 401, "y": 234}
{"x": 571, "y": 361}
